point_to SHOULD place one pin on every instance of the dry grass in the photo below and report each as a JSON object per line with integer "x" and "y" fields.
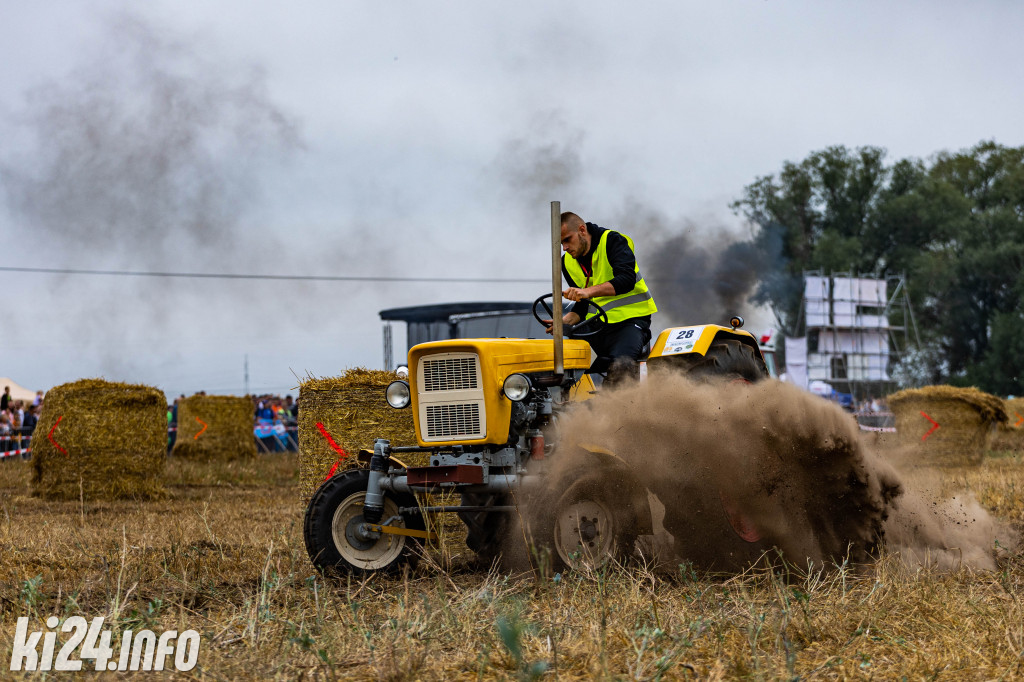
{"x": 990, "y": 408}
{"x": 223, "y": 554}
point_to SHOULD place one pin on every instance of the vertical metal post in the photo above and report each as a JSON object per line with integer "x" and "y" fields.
{"x": 556, "y": 284}
{"x": 388, "y": 352}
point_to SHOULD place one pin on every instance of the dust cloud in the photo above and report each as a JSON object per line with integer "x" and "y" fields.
{"x": 929, "y": 529}
{"x": 744, "y": 469}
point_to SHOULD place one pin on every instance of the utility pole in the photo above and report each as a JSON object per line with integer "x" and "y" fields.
{"x": 247, "y": 374}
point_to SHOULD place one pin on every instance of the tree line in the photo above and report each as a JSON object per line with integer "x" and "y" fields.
{"x": 953, "y": 226}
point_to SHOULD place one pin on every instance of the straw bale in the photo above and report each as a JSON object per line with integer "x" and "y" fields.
{"x": 966, "y": 417}
{"x": 354, "y": 412}
{"x": 114, "y": 440}
{"x": 1010, "y": 434}
{"x": 228, "y": 434}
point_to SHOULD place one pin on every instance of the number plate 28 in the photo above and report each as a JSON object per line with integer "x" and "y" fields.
{"x": 682, "y": 339}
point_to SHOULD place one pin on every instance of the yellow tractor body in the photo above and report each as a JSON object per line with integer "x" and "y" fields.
{"x": 456, "y": 385}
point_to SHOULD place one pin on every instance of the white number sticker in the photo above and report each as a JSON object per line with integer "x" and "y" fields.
{"x": 682, "y": 339}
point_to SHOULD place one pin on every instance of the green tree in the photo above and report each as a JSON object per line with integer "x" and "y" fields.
{"x": 973, "y": 272}
{"x": 820, "y": 212}
{"x": 954, "y": 227}
{"x": 1001, "y": 370}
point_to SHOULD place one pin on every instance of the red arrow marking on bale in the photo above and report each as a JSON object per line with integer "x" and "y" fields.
{"x": 342, "y": 453}
{"x": 334, "y": 467}
{"x": 330, "y": 441}
{"x": 50, "y": 436}
{"x": 1020, "y": 420}
{"x": 205, "y": 426}
{"x": 935, "y": 426}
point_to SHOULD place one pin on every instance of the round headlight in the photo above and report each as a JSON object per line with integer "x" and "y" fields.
{"x": 516, "y": 387}
{"x": 398, "y": 394}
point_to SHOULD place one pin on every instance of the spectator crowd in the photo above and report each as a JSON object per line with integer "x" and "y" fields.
{"x": 17, "y": 422}
{"x": 277, "y": 420}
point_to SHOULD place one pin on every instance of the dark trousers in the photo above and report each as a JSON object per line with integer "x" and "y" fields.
{"x": 620, "y": 347}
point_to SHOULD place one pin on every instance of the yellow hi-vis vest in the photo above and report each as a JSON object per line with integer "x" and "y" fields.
{"x": 636, "y": 302}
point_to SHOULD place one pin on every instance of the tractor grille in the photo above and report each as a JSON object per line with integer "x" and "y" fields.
{"x": 453, "y": 420}
{"x": 451, "y": 397}
{"x": 450, "y": 374}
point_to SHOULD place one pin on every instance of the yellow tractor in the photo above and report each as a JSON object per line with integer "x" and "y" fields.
{"x": 485, "y": 412}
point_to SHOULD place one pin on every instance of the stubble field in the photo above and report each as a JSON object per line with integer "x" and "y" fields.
{"x": 223, "y": 554}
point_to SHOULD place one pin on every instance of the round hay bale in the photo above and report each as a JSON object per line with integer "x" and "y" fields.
{"x": 1009, "y": 437}
{"x": 100, "y": 440}
{"x": 965, "y": 417}
{"x": 352, "y": 411}
{"x": 215, "y": 427}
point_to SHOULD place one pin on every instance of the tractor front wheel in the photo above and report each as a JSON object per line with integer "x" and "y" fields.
{"x": 337, "y": 536}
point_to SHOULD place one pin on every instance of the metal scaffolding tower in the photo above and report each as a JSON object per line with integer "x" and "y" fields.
{"x": 856, "y": 328}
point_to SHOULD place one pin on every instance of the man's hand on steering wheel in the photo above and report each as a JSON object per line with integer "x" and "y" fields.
{"x": 578, "y": 329}
{"x": 574, "y": 294}
{"x": 569, "y": 318}
{"x": 596, "y": 290}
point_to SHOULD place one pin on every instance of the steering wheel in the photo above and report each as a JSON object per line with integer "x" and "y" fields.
{"x": 585, "y": 329}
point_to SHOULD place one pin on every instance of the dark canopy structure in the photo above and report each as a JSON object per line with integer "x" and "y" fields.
{"x": 475, "y": 319}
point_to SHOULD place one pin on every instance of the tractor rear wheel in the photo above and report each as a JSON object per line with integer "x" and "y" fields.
{"x": 729, "y": 358}
{"x": 586, "y": 525}
{"x": 335, "y": 533}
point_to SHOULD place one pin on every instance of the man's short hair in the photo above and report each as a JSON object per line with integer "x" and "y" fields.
{"x": 571, "y": 220}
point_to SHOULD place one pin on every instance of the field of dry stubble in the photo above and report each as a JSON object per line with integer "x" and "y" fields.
{"x": 223, "y": 554}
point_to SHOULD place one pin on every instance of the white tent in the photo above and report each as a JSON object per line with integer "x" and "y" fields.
{"x": 18, "y": 392}
{"x": 796, "y": 360}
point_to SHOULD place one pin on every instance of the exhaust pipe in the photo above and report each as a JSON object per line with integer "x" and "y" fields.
{"x": 556, "y": 286}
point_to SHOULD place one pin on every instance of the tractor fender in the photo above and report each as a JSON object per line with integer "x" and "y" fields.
{"x": 687, "y": 345}
{"x": 698, "y": 339}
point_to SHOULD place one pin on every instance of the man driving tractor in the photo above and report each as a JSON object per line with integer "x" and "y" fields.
{"x": 495, "y": 449}
{"x": 599, "y": 265}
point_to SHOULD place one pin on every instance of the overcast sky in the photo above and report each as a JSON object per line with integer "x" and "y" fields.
{"x": 415, "y": 139}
